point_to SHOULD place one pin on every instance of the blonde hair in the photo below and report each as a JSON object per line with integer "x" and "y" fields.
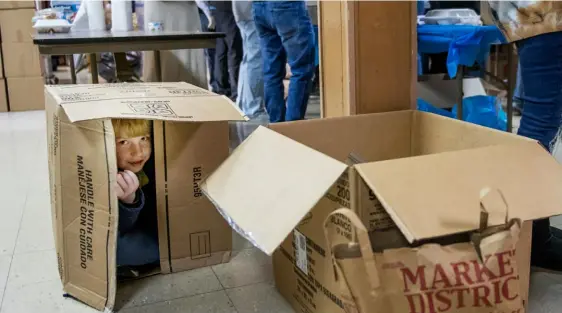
{"x": 128, "y": 128}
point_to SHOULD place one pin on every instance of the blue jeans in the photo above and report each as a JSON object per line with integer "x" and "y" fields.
{"x": 540, "y": 60}
{"x": 518, "y": 92}
{"x": 209, "y": 54}
{"x": 250, "y": 80}
{"x": 137, "y": 247}
{"x": 285, "y": 33}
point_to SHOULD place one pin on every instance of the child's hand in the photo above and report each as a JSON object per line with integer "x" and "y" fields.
{"x": 127, "y": 185}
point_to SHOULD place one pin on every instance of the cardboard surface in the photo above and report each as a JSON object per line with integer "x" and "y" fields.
{"x": 15, "y": 25}
{"x": 82, "y": 162}
{"x": 26, "y": 93}
{"x": 180, "y": 102}
{"x": 20, "y": 4}
{"x": 448, "y": 186}
{"x": 21, "y": 60}
{"x": 195, "y": 234}
{"x": 3, "y": 96}
{"x": 423, "y": 170}
{"x": 352, "y": 43}
{"x": 279, "y": 156}
{"x": 1, "y": 66}
{"x": 398, "y": 280}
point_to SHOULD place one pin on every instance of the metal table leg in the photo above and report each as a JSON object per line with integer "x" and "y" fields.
{"x": 123, "y": 72}
{"x": 511, "y": 78}
{"x": 70, "y": 61}
{"x": 94, "y": 68}
{"x": 50, "y": 78}
{"x": 460, "y": 76}
{"x": 158, "y": 66}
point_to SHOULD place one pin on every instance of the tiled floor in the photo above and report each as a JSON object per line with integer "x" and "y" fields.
{"x": 28, "y": 270}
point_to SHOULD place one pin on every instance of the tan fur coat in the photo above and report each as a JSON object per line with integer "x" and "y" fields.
{"x": 523, "y": 19}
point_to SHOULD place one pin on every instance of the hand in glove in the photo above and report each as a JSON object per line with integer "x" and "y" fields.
{"x": 126, "y": 187}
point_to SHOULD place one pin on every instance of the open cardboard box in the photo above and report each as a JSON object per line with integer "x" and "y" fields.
{"x": 424, "y": 172}
{"x": 190, "y": 140}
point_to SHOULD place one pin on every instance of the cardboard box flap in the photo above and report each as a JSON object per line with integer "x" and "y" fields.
{"x": 436, "y": 195}
{"x": 268, "y": 184}
{"x": 161, "y": 101}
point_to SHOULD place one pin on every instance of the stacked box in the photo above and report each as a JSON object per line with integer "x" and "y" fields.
{"x": 23, "y": 79}
{"x": 20, "y": 4}
{"x": 3, "y": 95}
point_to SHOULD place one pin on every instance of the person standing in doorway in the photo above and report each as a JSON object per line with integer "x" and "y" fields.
{"x": 250, "y": 83}
{"x": 228, "y": 52}
{"x": 534, "y": 27}
{"x": 286, "y": 33}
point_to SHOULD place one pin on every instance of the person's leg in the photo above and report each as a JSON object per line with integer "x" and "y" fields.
{"x": 234, "y": 45}
{"x": 250, "y": 84}
{"x": 243, "y": 73}
{"x": 221, "y": 57}
{"x": 137, "y": 248}
{"x": 540, "y": 59}
{"x": 295, "y": 28}
{"x": 211, "y": 63}
{"x": 209, "y": 53}
{"x": 438, "y": 63}
{"x": 274, "y": 60}
{"x": 518, "y": 92}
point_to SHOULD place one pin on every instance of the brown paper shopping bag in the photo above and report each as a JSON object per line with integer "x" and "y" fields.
{"x": 478, "y": 275}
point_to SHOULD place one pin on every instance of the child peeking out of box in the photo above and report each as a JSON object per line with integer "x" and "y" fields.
{"x": 137, "y": 241}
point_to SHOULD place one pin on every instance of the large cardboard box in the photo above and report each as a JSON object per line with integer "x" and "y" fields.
{"x": 3, "y": 96}
{"x": 190, "y": 138}
{"x": 21, "y": 4}
{"x": 422, "y": 175}
{"x": 21, "y": 59}
{"x": 16, "y": 26}
{"x": 26, "y": 93}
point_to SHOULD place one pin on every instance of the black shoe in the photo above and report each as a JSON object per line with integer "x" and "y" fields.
{"x": 127, "y": 272}
{"x": 556, "y": 232}
{"x": 548, "y": 255}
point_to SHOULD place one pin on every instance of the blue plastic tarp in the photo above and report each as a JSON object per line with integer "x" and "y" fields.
{"x": 480, "y": 110}
{"x": 465, "y": 44}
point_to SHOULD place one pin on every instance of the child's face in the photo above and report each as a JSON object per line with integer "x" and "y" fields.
{"x": 132, "y": 153}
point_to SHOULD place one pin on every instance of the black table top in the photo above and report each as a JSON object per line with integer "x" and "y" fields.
{"x": 89, "y": 37}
